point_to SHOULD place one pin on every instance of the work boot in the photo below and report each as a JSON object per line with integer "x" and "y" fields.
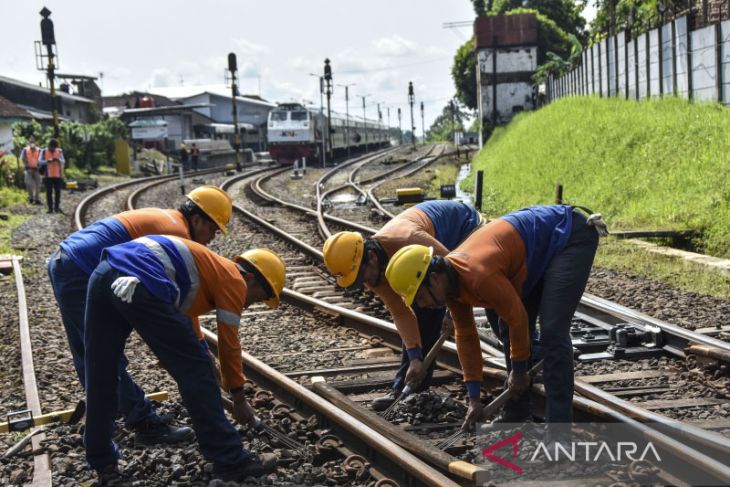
{"x": 154, "y": 431}
{"x": 382, "y": 403}
{"x": 257, "y": 466}
{"x": 110, "y": 475}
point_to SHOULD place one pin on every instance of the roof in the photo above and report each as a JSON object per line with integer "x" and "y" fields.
{"x": 162, "y": 110}
{"x": 30, "y": 86}
{"x": 180, "y": 92}
{"x": 9, "y": 110}
{"x": 129, "y": 99}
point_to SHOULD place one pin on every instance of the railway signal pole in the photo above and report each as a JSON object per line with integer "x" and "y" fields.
{"x": 411, "y": 101}
{"x": 387, "y": 109}
{"x": 233, "y": 67}
{"x": 423, "y": 124}
{"x": 400, "y": 127}
{"x": 328, "y": 92}
{"x": 48, "y": 40}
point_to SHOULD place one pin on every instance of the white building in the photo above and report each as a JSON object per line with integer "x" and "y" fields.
{"x": 506, "y": 47}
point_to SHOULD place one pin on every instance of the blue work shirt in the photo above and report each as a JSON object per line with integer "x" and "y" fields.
{"x": 452, "y": 221}
{"x": 85, "y": 246}
{"x": 545, "y": 230}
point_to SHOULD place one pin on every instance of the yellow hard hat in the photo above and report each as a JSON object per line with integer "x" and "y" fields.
{"x": 271, "y": 267}
{"x": 214, "y": 202}
{"x": 406, "y": 270}
{"x": 343, "y": 253}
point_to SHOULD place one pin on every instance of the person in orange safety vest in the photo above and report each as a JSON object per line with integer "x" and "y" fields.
{"x": 52, "y": 164}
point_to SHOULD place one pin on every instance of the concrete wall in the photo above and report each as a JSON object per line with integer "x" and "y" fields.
{"x": 6, "y": 137}
{"x": 668, "y": 60}
{"x": 515, "y": 66}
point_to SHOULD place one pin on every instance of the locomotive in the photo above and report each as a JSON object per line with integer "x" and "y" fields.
{"x": 295, "y": 131}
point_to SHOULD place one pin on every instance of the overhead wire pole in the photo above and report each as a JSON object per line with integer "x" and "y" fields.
{"x": 365, "y": 123}
{"x": 400, "y": 126}
{"x": 328, "y": 92}
{"x": 347, "y": 116}
{"x": 411, "y": 101}
{"x": 48, "y": 39}
{"x": 321, "y": 112}
{"x": 233, "y": 67}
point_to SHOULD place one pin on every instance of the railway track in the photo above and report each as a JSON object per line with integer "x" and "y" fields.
{"x": 322, "y": 332}
{"x": 659, "y": 340}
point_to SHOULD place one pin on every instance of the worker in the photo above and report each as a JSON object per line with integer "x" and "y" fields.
{"x": 357, "y": 261}
{"x": 194, "y": 156}
{"x": 153, "y": 285}
{"x": 205, "y": 211}
{"x": 30, "y": 155}
{"x": 52, "y": 164}
{"x": 547, "y": 250}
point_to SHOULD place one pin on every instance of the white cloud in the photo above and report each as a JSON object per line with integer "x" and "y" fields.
{"x": 244, "y": 47}
{"x": 395, "y": 46}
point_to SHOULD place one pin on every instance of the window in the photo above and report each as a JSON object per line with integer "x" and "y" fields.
{"x": 299, "y": 116}
{"x": 278, "y": 116}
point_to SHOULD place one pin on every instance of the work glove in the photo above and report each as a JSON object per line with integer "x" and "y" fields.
{"x": 242, "y": 411}
{"x": 473, "y": 414}
{"x": 518, "y": 382}
{"x": 596, "y": 220}
{"x": 123, "y": 288}
{"x": 414, "y": 371}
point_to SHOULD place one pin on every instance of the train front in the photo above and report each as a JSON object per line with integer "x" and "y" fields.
{"x": 293, "y": 134}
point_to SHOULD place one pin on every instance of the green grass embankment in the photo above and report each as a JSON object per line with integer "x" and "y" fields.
{"x": 645, "y": 165}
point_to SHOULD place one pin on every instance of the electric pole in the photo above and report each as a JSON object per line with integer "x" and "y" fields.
{"x": 365, "y": 123}
{"x": 347, "y": 115}
{"x": 233, "y": 67}
{"x": 400, "y": 127}
{"x": 387, "y": 109}
{"x": 48, "y": 40}
{"x": 328, "y": 92}
{"x": 423, "y": 124}
{"x": 411, "y": 101}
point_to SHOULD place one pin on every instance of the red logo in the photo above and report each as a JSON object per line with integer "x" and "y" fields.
{"x": 514, "y": 441}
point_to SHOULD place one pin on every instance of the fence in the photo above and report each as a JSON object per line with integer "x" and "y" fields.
{"x": 670, "y": 60}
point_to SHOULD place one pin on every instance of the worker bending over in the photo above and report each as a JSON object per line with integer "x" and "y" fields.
{"x": 153, "y": 285}
{"x": 441, "y": 225}
{"x": 547, "y": 250}
{"x": 205, "y": 212}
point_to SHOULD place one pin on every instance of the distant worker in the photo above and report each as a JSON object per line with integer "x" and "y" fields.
{"x": 184, "y": 156}
{"x": 30, "y": 156}
{"x": 195, "y": 156}
{"x": 356, "y": 261}
{"x": 205, "y": 212}
{"x": 52, "y": 165}
{"x": 540, "y": 255}
{"x": 153, "y": 285}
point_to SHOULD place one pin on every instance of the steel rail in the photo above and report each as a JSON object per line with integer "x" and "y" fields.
{"x": 717, "y": 442}
{"x": 41, "y": 461}
{"x": 84, "y": 204}
{"x": 270, "y": 379}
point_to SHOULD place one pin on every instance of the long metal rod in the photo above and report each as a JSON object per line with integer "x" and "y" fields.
{"x": 410, "y": 463}
{"x": 41, "y": 462}
{"x": 394, "y": 433}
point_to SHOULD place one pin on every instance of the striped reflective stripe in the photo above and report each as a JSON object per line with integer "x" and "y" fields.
{"x": 228, "y": 317}
{"x": 187, "y": 257}
{"x": 160, "y": 253}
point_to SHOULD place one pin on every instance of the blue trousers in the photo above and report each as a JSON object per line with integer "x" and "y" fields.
{"x": 555, "y": 302}
{"x": 429, "y": 325}
{"x": 169, "y": 334}
{"x": 69, "y": 286}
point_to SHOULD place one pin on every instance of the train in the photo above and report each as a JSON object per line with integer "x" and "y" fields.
{"x": 295, "y": 132}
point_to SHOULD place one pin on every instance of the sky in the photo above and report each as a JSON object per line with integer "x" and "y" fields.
{"x": 377, "y": 45}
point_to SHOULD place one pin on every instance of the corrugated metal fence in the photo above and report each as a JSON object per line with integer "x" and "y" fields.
{"x": 670, "y": 60}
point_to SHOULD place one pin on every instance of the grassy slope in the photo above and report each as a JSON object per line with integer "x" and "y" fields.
{"x": 650, "y": 164}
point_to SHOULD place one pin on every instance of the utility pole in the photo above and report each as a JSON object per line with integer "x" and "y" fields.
{"x": 365, "y": 123}
{"x": 48, "y": 40}
{"x": 411, "y": 101}
{"x": 321, "y": 112}
{"x": 400, "y": 127}
{"x": 233, "y": 68}
{"x": 423, "y": 124}
{"x": 347, "y": 116}
{"x": 328, "y": 92}
{"x": 387, "y": 109}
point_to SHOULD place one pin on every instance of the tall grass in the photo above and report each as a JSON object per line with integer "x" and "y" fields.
{"x": 649, "y": 164}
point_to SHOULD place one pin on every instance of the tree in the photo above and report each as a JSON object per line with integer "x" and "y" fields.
{"x": 565, "y": 13}
{"x": 634, "y": 16}
{"x": 450, "y": 120}
{"x": 480, "y": 7}
{"x": 464, "y": 74}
